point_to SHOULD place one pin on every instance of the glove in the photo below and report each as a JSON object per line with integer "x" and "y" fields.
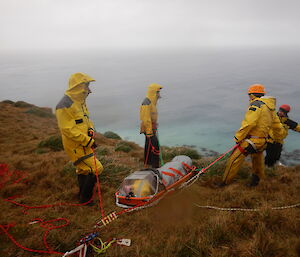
{"x": 91, "y": 133}
{"x": 94, "y": 145}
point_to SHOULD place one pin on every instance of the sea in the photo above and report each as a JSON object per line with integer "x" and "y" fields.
{"x": 204, "y": 95}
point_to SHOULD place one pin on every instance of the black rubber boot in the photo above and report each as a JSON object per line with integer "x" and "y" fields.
{"x": 88, "y": 189}
{"x": 254, "y": 181}
{"x": 81, "y": 181}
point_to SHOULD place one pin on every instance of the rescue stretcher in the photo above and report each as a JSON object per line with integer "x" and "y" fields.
{"x": 146, "y": 186}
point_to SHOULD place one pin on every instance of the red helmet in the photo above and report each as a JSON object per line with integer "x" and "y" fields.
{"x": 285, "y": 107}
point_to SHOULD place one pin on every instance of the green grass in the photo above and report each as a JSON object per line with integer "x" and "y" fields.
{"x": 8, "y": 102}
{"x": 44, "y": 113}
{"x": 68, "y": 170}
{"x": 123, "y": 146}
{"x": 169, "y": 153}
{"x": 112, "y": 135}
{"x": 102, "y": 150}
{"x": 22, "y": 104}
{"x": 53, "y": 143}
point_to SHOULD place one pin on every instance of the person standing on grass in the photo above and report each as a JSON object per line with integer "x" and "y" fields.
{"x": 251, "y": 138}
{"x": 149, "y": 117}
{"x": 77, "y": 132}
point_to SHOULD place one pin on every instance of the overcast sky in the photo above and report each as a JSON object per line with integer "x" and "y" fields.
{"x": 74, "y": 24}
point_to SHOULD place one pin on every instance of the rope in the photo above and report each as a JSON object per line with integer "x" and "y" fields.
{"x": 153, "y": 150}
{"x": 98, "y": 187}
{"x": 27, "y": 207}
{"x": 103, "y": 245}
{"x": 160, "y": 153}
{"x": 215, "y": 161}
{"x": 246, "y": 209}
{"x": 44, "y": 224}
{"x": 202, "y": 171}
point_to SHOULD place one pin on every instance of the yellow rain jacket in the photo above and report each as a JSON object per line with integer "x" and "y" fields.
{"x": 287, "y": 124}
{"x": 74, "y": 123}
{"x": 258, "y": 121}
{"x": 141, "y": 188}
{"x": 277, "y": 132}
{"x": 148, "y": 111}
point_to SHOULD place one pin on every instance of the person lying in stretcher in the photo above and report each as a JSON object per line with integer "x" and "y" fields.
{"x": 145, "y": 183}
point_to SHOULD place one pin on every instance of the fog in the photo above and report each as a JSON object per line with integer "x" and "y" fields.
{"x": 118, "y": 24}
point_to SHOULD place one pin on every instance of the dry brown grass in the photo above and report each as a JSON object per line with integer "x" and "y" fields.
{"x": 175, "y": 227}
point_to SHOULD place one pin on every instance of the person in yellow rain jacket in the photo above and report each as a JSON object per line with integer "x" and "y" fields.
{"x": 77, "y": 132}
{"x": 148, "y": 117}
{"x": 275, "y": 142}
{"x": 252, "y": 136}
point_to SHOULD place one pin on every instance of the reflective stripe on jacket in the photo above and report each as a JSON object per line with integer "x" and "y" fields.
{"x": 258, "y": 119}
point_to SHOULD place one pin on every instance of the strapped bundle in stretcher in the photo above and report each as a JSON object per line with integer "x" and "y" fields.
{"x": 149, "y": 185}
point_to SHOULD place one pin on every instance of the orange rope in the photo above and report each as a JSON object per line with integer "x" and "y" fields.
{"x": 98, "y": 187}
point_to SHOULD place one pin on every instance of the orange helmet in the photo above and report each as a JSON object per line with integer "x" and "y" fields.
{"x": 256, "y": 88}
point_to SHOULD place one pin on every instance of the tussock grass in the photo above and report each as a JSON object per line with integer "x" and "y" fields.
{"x": 123, "y": 146}
{"x": 174, "y": 227}
{"x": 22, "y": 104}
{"x": 169, "y": 153}
{"x": 40, "y": 112}
{"x": 112, "y": 135}
{"x": 53, "y": 143}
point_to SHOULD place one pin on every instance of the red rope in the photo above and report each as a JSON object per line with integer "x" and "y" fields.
{"x": 44, "y": 224}
{"x": 153, "y": 150}
{"x": 27, "y": 207}
{"x": 211, "y": 164}
{"x": 98, "y": 186}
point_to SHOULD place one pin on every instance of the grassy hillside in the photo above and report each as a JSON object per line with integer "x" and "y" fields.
{"x": 30, "y": 143}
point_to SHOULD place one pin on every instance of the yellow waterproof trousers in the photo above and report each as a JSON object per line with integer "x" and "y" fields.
{"x": 237, "y": 158}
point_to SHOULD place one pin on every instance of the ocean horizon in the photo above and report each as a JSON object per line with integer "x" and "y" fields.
{"x": 204, "y": 95}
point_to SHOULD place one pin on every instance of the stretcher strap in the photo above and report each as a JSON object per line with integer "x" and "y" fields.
{"x": 188, "y": 167}
{"x": 164, "y": 182}
{"x": 178, "y": 172}
{"x": 168, "y": 173}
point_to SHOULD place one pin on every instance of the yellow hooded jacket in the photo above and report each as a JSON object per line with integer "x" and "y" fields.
{"x": 148, "y": 111}
{"x": 287, "y": 124}
{"x": 74, "y": 122}
{"x": 277, "y": 131}
{"x": 258, "y": 121}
